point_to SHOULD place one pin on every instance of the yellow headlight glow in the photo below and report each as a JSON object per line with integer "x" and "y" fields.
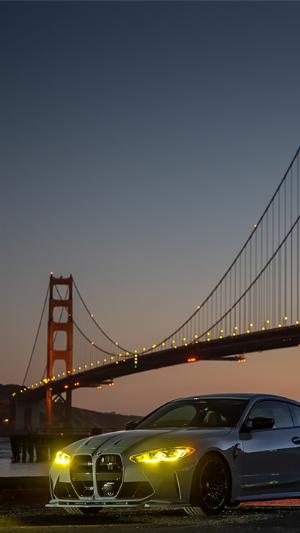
{"x": 162, "y": 455}
{"x": 62, "y": 458}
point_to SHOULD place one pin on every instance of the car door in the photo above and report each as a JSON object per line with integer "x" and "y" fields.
{"x": 295, "y": 451}
{"x": 266, "y": 461}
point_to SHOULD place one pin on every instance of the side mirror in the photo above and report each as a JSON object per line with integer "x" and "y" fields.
{"x": 131, "y": 424}
{"x": 260, "y": 422}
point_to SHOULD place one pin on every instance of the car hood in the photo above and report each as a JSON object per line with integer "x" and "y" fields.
{"x": 140, "y": 440}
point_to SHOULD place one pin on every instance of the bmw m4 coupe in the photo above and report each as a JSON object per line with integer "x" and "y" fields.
{"x": 203, "y": 453}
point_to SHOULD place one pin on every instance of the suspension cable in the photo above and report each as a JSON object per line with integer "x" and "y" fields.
{"x": 222, "y": 279}
{"x": 277, "y": 251}
{"x": 97, "y": 324}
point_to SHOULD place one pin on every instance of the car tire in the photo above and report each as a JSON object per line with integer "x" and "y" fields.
{"x": 211, "y": 487}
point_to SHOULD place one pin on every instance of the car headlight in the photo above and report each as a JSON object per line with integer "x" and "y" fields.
{"x": 62, "y": 458}
{"x": 162, "y": 454}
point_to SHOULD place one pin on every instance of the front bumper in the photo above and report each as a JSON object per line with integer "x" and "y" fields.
{"x": 139, "y": 485}
{"x": 142, "y": 504}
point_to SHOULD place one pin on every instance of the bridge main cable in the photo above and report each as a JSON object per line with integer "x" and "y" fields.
{"x": 222, "y": 279}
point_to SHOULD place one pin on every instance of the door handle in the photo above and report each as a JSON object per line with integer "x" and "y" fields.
{"x": 296, "y": 440}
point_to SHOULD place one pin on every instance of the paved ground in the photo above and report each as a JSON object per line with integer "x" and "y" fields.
{"x": 36, "y": 519}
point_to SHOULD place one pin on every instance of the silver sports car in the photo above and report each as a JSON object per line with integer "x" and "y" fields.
{"x": 203, "y": 453}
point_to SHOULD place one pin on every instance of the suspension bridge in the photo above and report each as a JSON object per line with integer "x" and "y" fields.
{"x": 255, "y": 306}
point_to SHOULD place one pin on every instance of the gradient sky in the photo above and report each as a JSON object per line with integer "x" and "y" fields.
{"x": 139, "y": 142}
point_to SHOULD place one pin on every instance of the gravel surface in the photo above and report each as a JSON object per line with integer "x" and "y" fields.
{"x": 29, "y": 518}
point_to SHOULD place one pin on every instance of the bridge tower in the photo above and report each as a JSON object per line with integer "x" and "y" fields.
{"x": 65, "y": 304}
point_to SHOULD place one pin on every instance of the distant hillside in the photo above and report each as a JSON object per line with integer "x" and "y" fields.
{"x": 81, "y": 418}
{"x": 84, "y": 418}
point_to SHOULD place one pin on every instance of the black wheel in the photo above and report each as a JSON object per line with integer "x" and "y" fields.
{"x": 212, "y": 487}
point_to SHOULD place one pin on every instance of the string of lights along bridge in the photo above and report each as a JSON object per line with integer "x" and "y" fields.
{"x": 253, "y": 307}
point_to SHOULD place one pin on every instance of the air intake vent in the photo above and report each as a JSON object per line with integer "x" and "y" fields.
{"x": 109, "y": 475}
{"x": 81, "y": 472}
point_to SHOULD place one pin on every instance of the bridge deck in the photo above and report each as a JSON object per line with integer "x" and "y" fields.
{"x": 225, "y": 349}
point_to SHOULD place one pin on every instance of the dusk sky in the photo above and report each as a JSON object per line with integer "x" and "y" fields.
{"x": 139, "y": 142}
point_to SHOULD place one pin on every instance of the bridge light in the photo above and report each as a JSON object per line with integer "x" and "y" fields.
{"x": 74, "y": 369}
{"x": 116, "y": 343}
{"x": 92, "y": 316}
{"x": 153, "y": 345}
{"x": 66, "y": 386}
{"x": 198, "y": 306}
{"x": 63, "y": 373}
{"x": 208, "y": 339}
{"x": 163, "y": 343}
{"x": 285, "y": 318}
{"x": 92, "y": 364}
{"x": 221, "y": 337}
{"x": 99, "y": 387}
{"x": 79, "y": 368}
{"x": 93, "y": 343}
{"x": 173, "y": 341}
{"x": 221, "y": 330}
{"x": 267, "y": 321}
{"x": 127, "y": 353}
{"x": 191, "y": 359}
{"x": 184, "y": 339}
{"x": 196, "y": 336}
{"x": 208, "y": 333}
{"x": 263, "y": 328}
{"x": 234, "y": 334}
{"x": 280, "y": 325}
{"x": 248, "y": 331}
{"x": 236, "y": 328}
{"x": 251, "y": 325}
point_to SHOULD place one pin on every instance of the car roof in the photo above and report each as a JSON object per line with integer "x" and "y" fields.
{"x": 239, "y": 395}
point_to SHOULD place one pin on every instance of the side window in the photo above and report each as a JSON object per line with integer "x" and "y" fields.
{"x": 296, "y": 414}
{"x": 279, "y": 411}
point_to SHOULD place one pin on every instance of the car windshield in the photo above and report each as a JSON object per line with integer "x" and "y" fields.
{"x": 199, "y": 413}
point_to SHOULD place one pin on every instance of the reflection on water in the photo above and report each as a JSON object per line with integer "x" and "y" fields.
{"x": 7, "y": 469}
